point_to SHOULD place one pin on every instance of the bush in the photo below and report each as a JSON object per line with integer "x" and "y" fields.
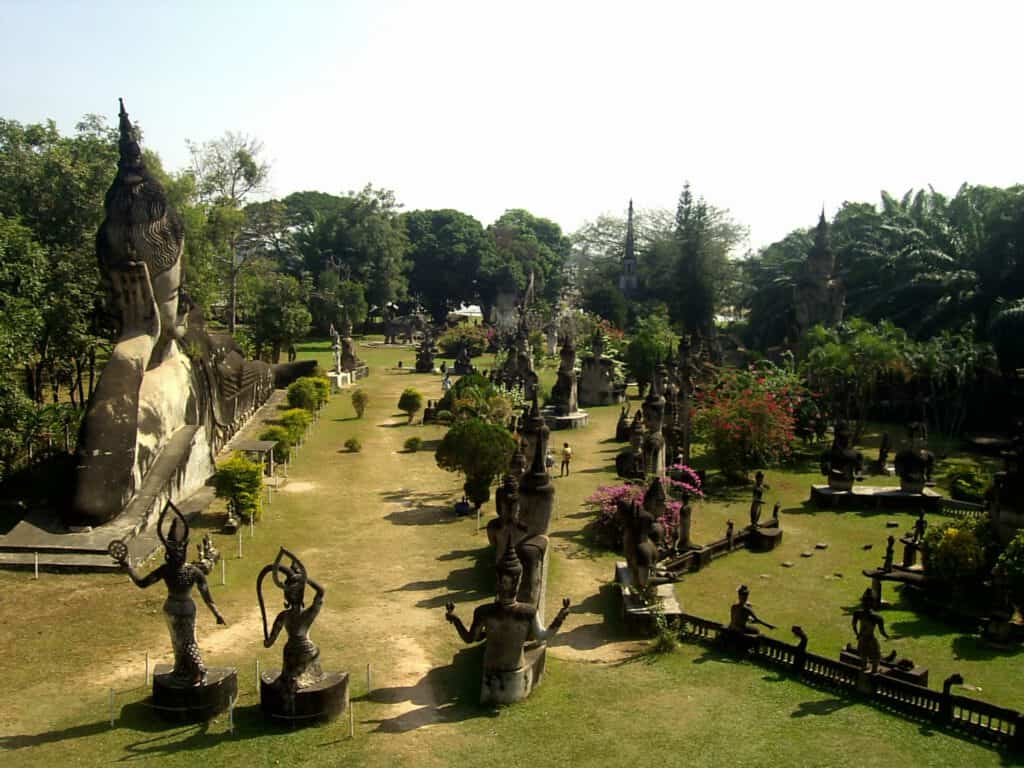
{"x": 352, "y": 445}
{"x": 955, "y": 556}
{"x": 413, "y": 444}
{"x": 411, "y": 401}
{"x": 747, "y": 419}
{"x": 968, "y": 482}
{"x": 302, "y": 393}
{"x": 240, "y": 481}
{"x": 1010, "y": 566}
{"x": 473, "y": 337}
{"x": 283, "y": 449}
{"x": 323, "y": 389}
{"x": 443, "y": 417}
{"x": 296, "y": 421}
{"x": 359, "y": 401}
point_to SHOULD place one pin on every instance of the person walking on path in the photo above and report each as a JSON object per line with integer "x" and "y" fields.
{"x": 566, "y": 458}
{"x": 549, "y": 460}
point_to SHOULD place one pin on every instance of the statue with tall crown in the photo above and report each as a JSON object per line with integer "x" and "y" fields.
{"x": 171, "y": 394}
{"x": 819, "y": 295}
{"x": 187, "y": 691}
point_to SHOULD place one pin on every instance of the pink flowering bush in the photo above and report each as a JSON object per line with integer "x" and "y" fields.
{"x": 681, "y": 480}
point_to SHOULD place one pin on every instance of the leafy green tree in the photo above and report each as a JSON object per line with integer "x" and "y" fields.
{"x": 280, "y": 317}
{"x": 240, "y": 481}
{"x": 652, "y": 343}
{"x": 480, "y": 451}
{"x": 446, "y": 249}
{"x": 524, "y": 244}
{"x": 359, "y": 401}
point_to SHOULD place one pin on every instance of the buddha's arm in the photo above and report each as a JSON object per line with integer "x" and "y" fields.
{"x": 540, "y": 633}
{"x": 148, "y": 580}
{"x": 269, "y": 640}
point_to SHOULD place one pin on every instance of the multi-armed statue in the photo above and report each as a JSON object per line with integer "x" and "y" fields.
{"x": 158, "y": 415}
{"x": 188, "y": 691}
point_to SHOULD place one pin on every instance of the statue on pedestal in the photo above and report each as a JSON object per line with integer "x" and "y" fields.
{"x": 841, "y": 464}
{"x": 865, "y": 621}
{"x": 742, "y": 616}
{"x": 914, "y": 463}
{"x": 564, "y": 392}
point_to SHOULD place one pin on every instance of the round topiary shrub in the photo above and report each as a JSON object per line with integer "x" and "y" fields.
{"x": 411, "y": 402}
{"x": 240, "y": 482}
{"x": 302, "y": 393}
{"x": 359, "y": 401}
{"x": 968, "y": 483}
{"x": 413, "y": 444}
{"x": 296, "y": 421}
{"x": 283, "y": 449}
{"x": 352, "y": 445}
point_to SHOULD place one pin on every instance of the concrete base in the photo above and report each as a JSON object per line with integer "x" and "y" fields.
{"x": 875, "y": 497}
{"x": 576, "y": 420}
{"x": 320, "y": 703}
{"x": 915, "y": 675}
{"x": 194, "y": 703}
{"x": 508, "y": 687}
{"x": 764, "y": 538}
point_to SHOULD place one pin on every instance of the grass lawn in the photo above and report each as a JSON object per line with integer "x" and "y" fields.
{"x": 376, "y": 529}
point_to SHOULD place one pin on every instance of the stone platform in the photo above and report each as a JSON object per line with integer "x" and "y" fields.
{"x": 320, "y": 703}
{"x": 194, "y": 703}
{"x": 515, "y": 685}
{"x": 576, "y": 420}
{"x": 875, "y": 497}
{"x": 637, "y": 615}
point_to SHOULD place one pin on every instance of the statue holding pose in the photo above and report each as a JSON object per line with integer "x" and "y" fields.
{"x": 865, "y": 621}
{"x": 300, "y": 666}
{"x": 179, "y": 608}
{"x": 742, "y": 615}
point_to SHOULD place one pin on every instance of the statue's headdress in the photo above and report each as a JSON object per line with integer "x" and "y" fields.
{"x": 128, "y": 141}
{"x": 175, "y": 539}
{"x": 509, "y": 564}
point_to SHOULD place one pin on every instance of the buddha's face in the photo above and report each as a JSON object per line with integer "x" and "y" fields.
{"x": 508, "y": 588}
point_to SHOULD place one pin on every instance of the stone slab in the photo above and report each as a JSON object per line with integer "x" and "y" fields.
{"x": 875, "y": 497}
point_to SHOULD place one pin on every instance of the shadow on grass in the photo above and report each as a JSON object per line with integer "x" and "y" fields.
{"x": 973, "y": 648}
{"x": 25, "y": 740}
{"x": 470, "y": 583}
{"x": 820, "y": 708}
{"x": 420, "y": 508}
{"x": 606, "y": 626}
{"x": 444, "y": 695}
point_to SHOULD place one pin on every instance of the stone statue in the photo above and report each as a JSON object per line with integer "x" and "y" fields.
{"x": 758, "y": 499}
{"x": 920, "y": 526}
{"x": 841, "y": 464}
{"x": 915, "y": 462}
{"x": 742, "y": 616}
{"x": 629, "y": 463}
{"x": 883, "y": 454}
{"x": 597, "y": 384}
{"x": 170, "y": 390}
{"x": 506, "y": 625}
{"x": 654, "y": 414}
{"x": 463, "y": 362}
{"x": 641, "y": 535}
{"x": 890, "y": 546}
{"x": 622, "y": 425}
{"x": 564, "y": 392}
{"x": 819, "y": 296}
{"x": 685, "y": 523}
{"x": 300, "y": 667}
{"x": 180, "y": 609}
{"x": 425, "y": 354}
{"x": 865, "y": 622}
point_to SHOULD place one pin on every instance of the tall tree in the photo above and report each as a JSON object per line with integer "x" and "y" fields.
{"x": 228, "y": 171}
{"x": 446, "y": 249}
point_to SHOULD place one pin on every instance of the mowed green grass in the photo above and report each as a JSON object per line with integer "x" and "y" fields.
{"x": 376, "y": 529}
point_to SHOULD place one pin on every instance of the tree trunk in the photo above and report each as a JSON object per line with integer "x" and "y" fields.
{"x": 233, "y": 300}
{"x": 92, "y": 371}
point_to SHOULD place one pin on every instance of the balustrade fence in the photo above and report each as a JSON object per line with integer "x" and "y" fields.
{"x": 978, "y": 720}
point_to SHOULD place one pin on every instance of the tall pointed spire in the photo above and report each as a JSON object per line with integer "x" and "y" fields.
{"x": 128, "y": 142}
{"x": 628, "y": 278}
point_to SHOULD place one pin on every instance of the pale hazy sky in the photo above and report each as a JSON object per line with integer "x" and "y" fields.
{"x": 567, "y": 109}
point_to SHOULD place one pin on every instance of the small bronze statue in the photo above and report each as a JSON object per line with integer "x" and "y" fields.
{"x": 742, "y": 615}
{"x": 865, "y": 621}
{"x": 180, "y": 609}
{"x": 890, "y": 546}
{"x": 300, "y": 666}
{"x": 920, "y": 525}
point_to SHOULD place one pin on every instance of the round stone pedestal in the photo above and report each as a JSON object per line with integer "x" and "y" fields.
{"x": 321, "y": 702}
{"x": 179, "y": 703}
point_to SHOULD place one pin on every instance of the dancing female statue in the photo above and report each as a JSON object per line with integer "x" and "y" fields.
{"x": 179, "y": 608}
{"x": 301, "y": 665}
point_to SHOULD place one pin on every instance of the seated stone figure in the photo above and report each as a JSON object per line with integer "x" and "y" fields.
{"x": 915, "y": 462}
{"x": 506, "y": 625}
{"x": 841, "y": 464}
{"x": 630, "y": 462}
{"x": 742, "y": 616}
{"x": 152, "y": 398}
